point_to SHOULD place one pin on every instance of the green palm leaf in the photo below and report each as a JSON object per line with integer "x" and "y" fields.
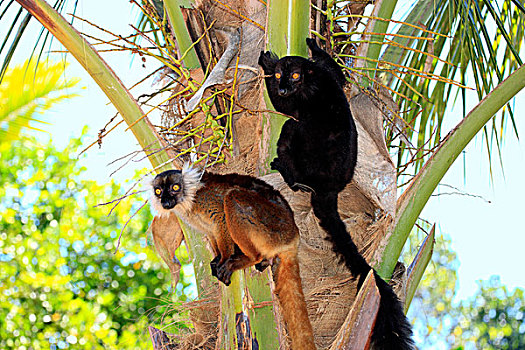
{"x": 20, "y": 27}
{"x": 28, "y": 90}
{"x": 481, "y": 37}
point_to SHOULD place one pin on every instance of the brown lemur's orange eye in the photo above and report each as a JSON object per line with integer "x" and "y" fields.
{"x": 158, "y": 191}
{"x": 175, "y": 187}
{"x": 278, "y": 75}
{"x": 296, "y": 76}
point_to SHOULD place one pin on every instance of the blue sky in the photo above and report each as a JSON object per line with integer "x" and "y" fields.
{"x": 486, "y": 232}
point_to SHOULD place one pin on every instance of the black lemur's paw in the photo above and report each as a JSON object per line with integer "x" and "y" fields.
{"x": 304, "y": 188}
{"x": 275, "y": 164}
{"x": 325, "y": 61}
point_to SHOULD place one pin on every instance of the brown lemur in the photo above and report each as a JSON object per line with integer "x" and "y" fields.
{"x": 317, "y": 153}
{"x": 247, "y": 223}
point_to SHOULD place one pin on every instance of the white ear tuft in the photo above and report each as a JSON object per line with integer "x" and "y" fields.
{"x": 191, "y": 184}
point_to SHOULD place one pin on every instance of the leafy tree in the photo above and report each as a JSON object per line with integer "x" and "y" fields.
{"x": 61, "y": 283}
{"x": 493, "y": 318}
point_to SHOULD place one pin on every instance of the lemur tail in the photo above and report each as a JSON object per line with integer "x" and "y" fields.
{"x": 392, "y": 329}
{"x": 290, "y": 293}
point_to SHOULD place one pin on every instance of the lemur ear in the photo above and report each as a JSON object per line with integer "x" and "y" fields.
{"x": 312, "y": 44}
{"x": 268, "y": 60}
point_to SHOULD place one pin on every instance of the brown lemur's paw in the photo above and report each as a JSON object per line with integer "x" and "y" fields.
{"x": 214, "y": 264}
{"x": 261, "y": 266}
{"x": 224, "y": 274}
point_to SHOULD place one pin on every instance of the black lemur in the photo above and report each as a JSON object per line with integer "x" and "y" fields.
{"x": 317, "y": 152}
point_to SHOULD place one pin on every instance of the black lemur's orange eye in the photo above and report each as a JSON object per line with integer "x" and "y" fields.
{"x": 295, "y": 76}
{"x": 278, "y": 75}
{"x": 175, "y": 187}
{"x": 158, "y": 191}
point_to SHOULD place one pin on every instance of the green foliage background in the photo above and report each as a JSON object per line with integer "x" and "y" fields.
{"x": 493, "y": 318}
{"x": 61, "y": 285}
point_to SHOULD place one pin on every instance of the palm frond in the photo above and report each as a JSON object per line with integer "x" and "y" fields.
{"x": 415, "y": 197}
{"x": 17, "y": 29}
{"x": 37, "y": 89}
{"x": 482, "y": 48}
{"x": 21, "y": 28}
{"x": 427, "y": 60}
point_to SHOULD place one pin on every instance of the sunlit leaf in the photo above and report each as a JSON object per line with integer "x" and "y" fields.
{"x": 28, "y": 90}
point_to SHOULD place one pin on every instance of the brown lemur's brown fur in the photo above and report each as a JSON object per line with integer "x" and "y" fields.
{"x": 247, "y": 223}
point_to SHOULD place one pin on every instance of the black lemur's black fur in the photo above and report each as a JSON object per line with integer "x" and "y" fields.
{"x": 317, "y": 153}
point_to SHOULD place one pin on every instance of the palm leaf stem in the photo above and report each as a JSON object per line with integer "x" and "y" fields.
{"x": 177, "y": 23}
{"x": 415, "y": 197}
{"x": 100, "y": 72}
{"x": 386, "y": 8}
